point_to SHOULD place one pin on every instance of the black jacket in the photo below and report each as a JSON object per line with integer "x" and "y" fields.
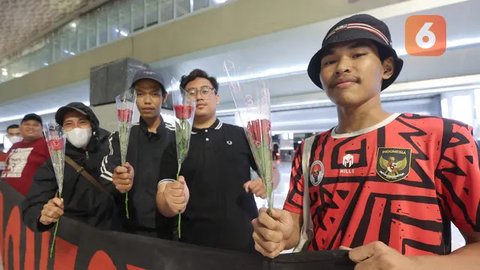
{"x": 145, "y": 152}
{"x": 82, "y": 200}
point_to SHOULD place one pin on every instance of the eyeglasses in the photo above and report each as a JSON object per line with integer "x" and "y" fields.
{"x": 204, "y": 91}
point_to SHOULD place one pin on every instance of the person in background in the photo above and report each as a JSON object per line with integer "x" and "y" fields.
{"x": 3, "y": 157}
{"x": 215, "y": 190}
{"x": 386, "y": 186}
{"x": 86, "y": 200}
{"x": 13, "y": 133}
{"x": 12, "y": 136}
{"x": 27, "y": 155}
{"x": 140, "y": 174}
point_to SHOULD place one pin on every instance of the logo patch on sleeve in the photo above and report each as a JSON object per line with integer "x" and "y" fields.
{"x": 393, "y": 164}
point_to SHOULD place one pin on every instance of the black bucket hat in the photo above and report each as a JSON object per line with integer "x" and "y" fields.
{"x": 360, "y": 26}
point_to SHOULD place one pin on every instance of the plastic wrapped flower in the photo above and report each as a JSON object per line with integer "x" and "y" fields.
{"x": 252, "y": 102}
{"x": 125, "y": 103}
{"x": 184, "y": 108}
{"x": 55, "y": 139}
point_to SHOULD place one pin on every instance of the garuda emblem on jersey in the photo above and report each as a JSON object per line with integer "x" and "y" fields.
{"x": 317, "y": 170}
{"x": 393, "y": 164}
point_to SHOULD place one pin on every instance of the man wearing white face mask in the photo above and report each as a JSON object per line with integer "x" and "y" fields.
{"x": 85, "y": 197}
{"x": 13, "y": 136}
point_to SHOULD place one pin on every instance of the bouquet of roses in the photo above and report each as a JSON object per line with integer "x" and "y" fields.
{"x": 253, "y": 109}
{"x": 184, "y": 108}
{"x": 125, "y": 103}
{"x": 56, "y": 147}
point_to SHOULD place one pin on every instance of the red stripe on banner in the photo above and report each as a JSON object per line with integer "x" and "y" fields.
{"x": 65, "y": 254}
{"x": 29, "y": 249}
{"x": 101, "y": 260}
{"x": 12, "y": 233}
{"x": 44, "y": 251}
{"x": 1, "y": 229}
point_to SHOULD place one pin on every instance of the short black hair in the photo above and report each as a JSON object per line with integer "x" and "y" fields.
{"x": 13, "y": 126}
{"x": 198, "y": 73}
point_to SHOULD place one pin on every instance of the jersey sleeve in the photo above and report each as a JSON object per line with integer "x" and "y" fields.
{"x": 294, "y": 200}
{"x": 457, "y": 177}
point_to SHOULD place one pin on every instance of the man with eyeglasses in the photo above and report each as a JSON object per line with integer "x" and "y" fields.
{"x": 215, "y": 177}
{"x": 26, "y": 155}
{"x": 140, "y": 174}
{"x": 87, "y": 201}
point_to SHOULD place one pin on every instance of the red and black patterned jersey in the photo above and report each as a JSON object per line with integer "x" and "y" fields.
{"x": 401, "y": 182}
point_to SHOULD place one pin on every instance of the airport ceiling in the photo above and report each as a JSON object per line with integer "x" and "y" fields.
{"x": 270, "y": 59}
{"x": 25, "y": 21}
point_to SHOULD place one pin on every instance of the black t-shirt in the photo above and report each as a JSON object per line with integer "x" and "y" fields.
{"x": 219, "y": 211}
{"x": 145, "y": 151}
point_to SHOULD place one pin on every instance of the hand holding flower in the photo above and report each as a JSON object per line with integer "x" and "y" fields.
{"x": 52, "y": 211}
{"x": 173, "y": 196}
{"x": 122, "y": 177}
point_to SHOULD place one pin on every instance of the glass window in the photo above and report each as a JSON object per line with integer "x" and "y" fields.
{"x": 64, "y": 43}
{"x": 43, "y": 55}
{"x": 124, "y": 18}
{"x": 56, "y": 50}
{"x": 199, "y": 4}
{"x": 71, "y": 33}
{"x": 112, "y": 22}
{"x": 138, "y": 18}
{"x": 92, "y": 31}
{"x": 102, "y": 25}
{"x": 182, "y": 7}
{"x": 82, "y": 35}
{"x": 151, "y": 12}
{"x": 166, "y": 10}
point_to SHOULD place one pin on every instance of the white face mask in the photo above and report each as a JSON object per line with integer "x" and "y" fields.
{"x": 79, "y": 137}
{"x": 14, "y": 139}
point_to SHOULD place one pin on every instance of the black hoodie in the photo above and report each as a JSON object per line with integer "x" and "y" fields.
{"x": 82, "y": 200}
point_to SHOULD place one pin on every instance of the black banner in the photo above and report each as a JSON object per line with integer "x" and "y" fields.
{"x": 79, "y": 246}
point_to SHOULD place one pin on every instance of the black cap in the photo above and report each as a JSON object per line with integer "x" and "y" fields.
{"x": 32, "y": 116}
{"x": 148, "y": 74}
{"x": 78, "y": 107}
{"x": 360, "y": 26}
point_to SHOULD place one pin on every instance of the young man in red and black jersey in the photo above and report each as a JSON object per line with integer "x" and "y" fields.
{"x": 385, "y": 185}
